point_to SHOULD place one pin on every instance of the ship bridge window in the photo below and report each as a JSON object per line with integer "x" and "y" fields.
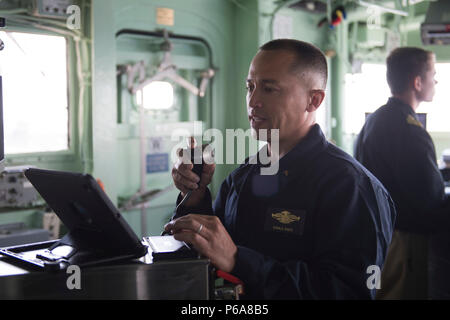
{"x": 157, "y": 95}
{"x": 368, "y": 90}
{"x": 35, "y": 88}
{"x": 365, "y": 92}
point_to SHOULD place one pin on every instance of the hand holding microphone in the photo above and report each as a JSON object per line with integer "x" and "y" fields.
{"x": 191, "y": 174}
{"x": 193, "y": 171}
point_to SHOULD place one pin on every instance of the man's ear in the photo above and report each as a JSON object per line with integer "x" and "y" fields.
{"x": 315, "y": 100}
{"x": 417, "y": 83}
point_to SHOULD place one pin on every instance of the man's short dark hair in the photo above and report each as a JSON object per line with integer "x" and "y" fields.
{"x": 403, "y": 65}
{"x": 309, "y": 57}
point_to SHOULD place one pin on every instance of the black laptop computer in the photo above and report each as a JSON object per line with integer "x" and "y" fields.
{"x": 97, "y": 232}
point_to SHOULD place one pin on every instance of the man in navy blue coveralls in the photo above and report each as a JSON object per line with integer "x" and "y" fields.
{"x": 397, "y": 149}
{"x": 314, "y": 229}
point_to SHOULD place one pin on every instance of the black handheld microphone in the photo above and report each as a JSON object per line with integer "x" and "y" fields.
{"x": 197, "y": 156}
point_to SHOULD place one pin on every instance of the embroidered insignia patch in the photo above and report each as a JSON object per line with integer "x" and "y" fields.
{"x": 411, "y": 120}
{"x": 285, "y": 220}
{"x": 285, "y": 217}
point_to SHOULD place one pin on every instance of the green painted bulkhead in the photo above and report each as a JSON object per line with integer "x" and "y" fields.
{"x": 219, "y": 34}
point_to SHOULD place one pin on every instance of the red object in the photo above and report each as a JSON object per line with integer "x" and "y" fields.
{"x": 336, "y": 22}
{"x": 100, "y": 183}
{"x": 228, "y": 277}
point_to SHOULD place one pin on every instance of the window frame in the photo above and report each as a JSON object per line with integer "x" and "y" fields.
{"x": 71, "y": 154}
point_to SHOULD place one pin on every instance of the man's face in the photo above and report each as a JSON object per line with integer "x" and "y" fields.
{"x": 428, "y": 82}
{"x": 276, "y": 97}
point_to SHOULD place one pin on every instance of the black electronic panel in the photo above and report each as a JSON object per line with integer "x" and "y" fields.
{"x": 2, "y": 144}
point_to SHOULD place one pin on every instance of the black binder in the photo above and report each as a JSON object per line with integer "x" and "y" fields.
{"x": 97, "y": 231}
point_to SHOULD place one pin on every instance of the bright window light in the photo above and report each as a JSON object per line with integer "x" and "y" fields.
{"x": 36, "y": 116}
{"x": 367, "y": 91}
{"x": 158, "y": 95}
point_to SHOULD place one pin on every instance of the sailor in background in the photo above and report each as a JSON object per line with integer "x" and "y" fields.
{"x": 396, "y": 148}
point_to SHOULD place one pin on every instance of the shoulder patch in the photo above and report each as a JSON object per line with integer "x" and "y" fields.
{"x": 411, "y": 120}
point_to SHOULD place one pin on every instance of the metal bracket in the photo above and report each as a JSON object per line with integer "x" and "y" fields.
{"x": 166, "y": 70}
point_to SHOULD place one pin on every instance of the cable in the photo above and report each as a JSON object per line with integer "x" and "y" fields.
{"x": 186, "y": 198}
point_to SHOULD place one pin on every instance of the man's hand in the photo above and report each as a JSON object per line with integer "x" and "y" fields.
{"x": 208, "y": 236}
{"x": 186, "y": 180}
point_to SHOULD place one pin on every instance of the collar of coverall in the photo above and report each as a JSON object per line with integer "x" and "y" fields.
{"x": 406, "y": 108}
{"x": 303, "y": 152}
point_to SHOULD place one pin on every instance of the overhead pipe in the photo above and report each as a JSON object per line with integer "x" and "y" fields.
{"x": 382, "y": 8}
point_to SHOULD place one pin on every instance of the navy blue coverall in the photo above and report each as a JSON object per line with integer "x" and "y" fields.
{"x": 309, "y": 232}
{"x": 395, "y": 147}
